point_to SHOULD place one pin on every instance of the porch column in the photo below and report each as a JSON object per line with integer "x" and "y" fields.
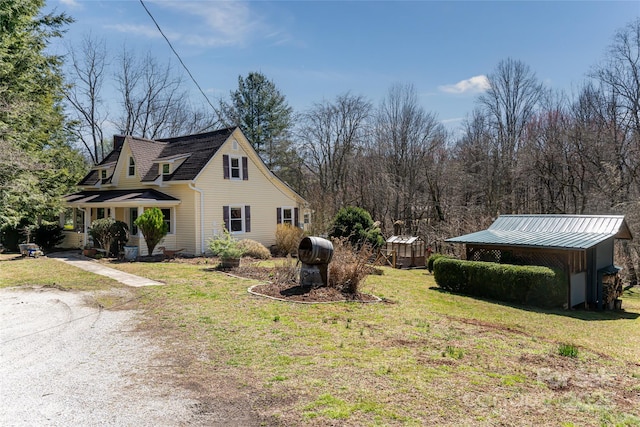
{"x": 87, "y": 224}
{"x": 140, "y": 211}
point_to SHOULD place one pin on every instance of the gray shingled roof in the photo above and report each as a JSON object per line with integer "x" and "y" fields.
{"x": 93, "y": 176}
{"x": 200, "y": 148}
{"x": 549, "y": 231}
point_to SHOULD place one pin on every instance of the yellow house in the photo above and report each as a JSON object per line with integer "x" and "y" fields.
{"x": 202, "y": 183}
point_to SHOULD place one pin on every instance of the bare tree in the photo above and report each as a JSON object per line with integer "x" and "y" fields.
{"x": 154, "y": 101}
{"x": 84, "y": 93}
{"x": 620, "y": 72}
{"x": 409, "y": 139}
{"x": 332, "y": 134}
{"x": 509, "y": 103}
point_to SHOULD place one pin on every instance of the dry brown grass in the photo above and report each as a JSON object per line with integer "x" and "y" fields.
{"x": 254, "y": 249}
{"x": 288, "y": 238}
{"x": 349, "y": 266}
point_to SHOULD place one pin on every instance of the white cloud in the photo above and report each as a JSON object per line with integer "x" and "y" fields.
{"x": 141, "y": 30}
{"x": 70, "y": 3}
{"x": 221, "y": 23}
{"x": 475, "y": 84}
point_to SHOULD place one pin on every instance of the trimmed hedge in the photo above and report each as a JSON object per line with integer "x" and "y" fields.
{"x": 432, "y": 259}
{"x": 528, "y": 285}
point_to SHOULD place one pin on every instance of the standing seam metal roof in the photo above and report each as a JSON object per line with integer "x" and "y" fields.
{"x": 550, "y": 231}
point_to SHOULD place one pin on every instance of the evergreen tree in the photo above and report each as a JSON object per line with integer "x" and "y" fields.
{"x": 153, "y": 227}
{"x": 37, "y": 163}
{"x": 262, "y": 112}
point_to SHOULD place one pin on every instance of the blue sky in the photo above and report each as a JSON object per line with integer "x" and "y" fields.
{"x": 317, "y": 50}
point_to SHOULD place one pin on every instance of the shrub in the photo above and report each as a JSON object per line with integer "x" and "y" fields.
{"x": 356, "y": 225}
{"x": 534, "y": 285}
{"x": 288, "y": 239}
{"x": 431, "y": 260}
{"x": 225, "y": 246}
{"x": 254, "y": 249}
{"x": 349, "y": 265}
{"x": 109, "y": 234}
{"x": 151, "y": 224}
{"x": 48, "y": 236}
{"x": 121, "y": 237}
{"x": 13, "y": 235}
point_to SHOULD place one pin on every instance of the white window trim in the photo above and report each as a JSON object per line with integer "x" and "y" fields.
{"x": 242, "y": 218}
{"x": 172, "y": 220}
{"x": 129, "y": 165}
{"x": 240, "y": 171}
{"x": 293, "y": 213}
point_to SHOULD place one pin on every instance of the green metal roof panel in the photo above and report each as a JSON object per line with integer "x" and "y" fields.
{"x": 549, "y": 231}
{"x": 603, "y": 224}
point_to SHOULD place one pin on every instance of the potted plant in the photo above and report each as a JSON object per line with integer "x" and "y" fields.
{"x": 89, "y": 251}
{"x": 227, "y": 248}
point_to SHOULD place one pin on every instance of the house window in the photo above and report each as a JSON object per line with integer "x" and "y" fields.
{"x": 132, "y": 167}
{"x": 133, "y": 215}
{"x": 237, "y": 219}
{"x": 287, "y": 216}
{"x": 103, "y": 174}
{"x": 235, "y": 167}
{"x": 166, "y": 169}
{"x": 100, "y": 213}
{"x": 167, "y": 219}
{"x": 307, "y": 218}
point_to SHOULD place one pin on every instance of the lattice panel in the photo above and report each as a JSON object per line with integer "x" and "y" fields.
{"x": 516, "y": 256}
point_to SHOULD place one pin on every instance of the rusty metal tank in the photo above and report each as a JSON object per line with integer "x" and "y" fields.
{"x": 315, "y": 254}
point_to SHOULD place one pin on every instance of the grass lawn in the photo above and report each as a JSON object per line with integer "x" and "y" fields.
{"x": 423, "y": 357}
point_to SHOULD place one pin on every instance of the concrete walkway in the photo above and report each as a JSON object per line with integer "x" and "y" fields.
{"x": 77, "y": 260}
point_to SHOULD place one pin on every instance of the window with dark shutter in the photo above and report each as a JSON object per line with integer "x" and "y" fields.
{"x": 236, "y": 222}
{"x": 225, "y": 166}
{"x": 225, "y": 216}
{"x": 245, "y": 168}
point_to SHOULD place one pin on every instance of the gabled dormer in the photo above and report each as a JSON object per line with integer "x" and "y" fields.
{"x": 164, "y": 168}
{"x": 106, "y": 171}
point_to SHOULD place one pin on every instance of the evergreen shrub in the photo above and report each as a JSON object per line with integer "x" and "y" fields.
{"x": 528, "y": 285}
{"x": 432, "y": 259}
{"x": 48, "y": 236}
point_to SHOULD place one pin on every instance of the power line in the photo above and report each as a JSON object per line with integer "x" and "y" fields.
{"x": 178, "y": 56}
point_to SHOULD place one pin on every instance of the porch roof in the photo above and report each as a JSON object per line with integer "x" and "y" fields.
{"x": 139, "y": 197}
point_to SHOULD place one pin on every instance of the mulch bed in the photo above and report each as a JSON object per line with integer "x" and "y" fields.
{"x": 291, "y": 291}
{"x": 296, "y": 293}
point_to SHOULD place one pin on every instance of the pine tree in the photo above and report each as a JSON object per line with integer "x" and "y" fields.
{"x": 37, "y": 163}
{"x": 262, "y": 112}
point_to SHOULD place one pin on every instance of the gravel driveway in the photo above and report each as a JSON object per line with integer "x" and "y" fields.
{"x": 65, "y": 361}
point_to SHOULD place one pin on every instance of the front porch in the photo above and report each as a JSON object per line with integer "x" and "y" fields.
{"x": 126, "y": 206}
